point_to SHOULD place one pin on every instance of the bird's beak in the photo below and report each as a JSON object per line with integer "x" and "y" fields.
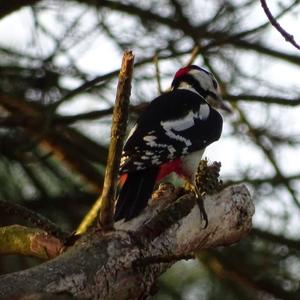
{"x": 218, "y": 102}
{"x": 224, "y": 105}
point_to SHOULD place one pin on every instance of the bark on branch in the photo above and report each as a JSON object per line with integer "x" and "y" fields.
{"x": 122, "y": 264}
{"x": 21, "y": 240}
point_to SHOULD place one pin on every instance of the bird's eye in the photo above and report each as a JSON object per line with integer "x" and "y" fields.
{"x": 215, "y": 84}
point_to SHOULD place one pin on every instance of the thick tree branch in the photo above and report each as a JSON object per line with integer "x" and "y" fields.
{"x": 27, "y": 241}
{"x": 7, "y": 7}
{"x": 104, "y": 266}
{"x": 34, "y": 218}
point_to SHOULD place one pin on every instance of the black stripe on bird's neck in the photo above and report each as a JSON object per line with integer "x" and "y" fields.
{"x": 190, "y": 80}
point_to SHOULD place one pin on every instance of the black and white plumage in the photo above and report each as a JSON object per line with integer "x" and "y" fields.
{"x": 170, "y": 136}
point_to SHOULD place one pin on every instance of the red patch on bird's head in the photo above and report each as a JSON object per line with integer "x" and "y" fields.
{"x": 182, "y": 72}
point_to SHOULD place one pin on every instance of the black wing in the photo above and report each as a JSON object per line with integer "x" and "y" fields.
{"x": 173, "y": 125}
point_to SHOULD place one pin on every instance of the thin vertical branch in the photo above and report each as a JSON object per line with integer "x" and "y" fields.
{"x": 105, "y": 203}
{"x": 118, "y": 132}
{"x": 194, "y": 55}
{"x": 157, "y": 71}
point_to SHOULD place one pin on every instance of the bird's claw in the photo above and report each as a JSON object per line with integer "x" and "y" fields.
{"x": 202, "y": 210}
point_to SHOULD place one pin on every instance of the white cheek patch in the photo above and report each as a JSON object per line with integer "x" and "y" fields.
{"x": 203, "y": 78}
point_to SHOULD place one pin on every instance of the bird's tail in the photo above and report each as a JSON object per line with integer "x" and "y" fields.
{"x": 135, "y": 193}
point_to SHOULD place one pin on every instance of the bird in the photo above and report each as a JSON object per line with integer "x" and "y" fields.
{"x": 169, "y": 136}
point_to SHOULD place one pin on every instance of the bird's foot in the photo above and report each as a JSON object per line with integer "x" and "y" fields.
{"x": 202, "y": 210}
{"x": 199, "y": 200}
{"x": 207, "y": 182}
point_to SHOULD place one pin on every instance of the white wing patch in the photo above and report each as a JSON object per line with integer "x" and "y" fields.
{"x": 172, "y": 152}
{"x": 180, "y": 124}
{"x": 124, "y": 159}
{"x": 150, "y": 140}
{"x": 184, "y": 123}
{"x": 139, "y": 165}
{"x": 203, "y": 112}
{"x": 168, "y": 126}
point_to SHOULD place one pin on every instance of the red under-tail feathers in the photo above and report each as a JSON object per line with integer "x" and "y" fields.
{"x": 137, "y": 188}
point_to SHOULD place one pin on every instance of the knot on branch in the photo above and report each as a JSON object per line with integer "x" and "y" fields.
{"x": 207, "y": 177}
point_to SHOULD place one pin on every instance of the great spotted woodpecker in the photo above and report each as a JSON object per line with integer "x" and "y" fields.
{"x": 170, "y": 136}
